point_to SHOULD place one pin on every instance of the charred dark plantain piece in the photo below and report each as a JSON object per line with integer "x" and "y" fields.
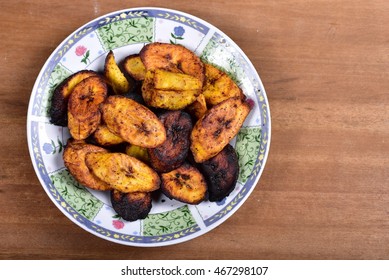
{"x": 172, "y": 153}
{"x": 221, "y": 173}
{"x": 59, "y": 101}
{"x": 131, "y": 206}
{"x": 185, "y": 184}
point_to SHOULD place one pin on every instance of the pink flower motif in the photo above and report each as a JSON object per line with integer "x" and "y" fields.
{"x": 250, "y": 102}
{"x": 80, "y": 50}
{"x": 117, "y": 224}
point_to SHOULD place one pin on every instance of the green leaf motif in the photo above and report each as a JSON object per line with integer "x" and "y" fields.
{"x": 76, "y": 195}
{"x": 121, "y": 32}
{"x": 247, "y": 147}
{"x": 168, "y": 222}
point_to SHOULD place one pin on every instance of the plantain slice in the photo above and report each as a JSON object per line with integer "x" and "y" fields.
{"x": 104, "y": 137}
{"x": 74, "y": 159}
{"x": 217, "y": 127}
{"x": 133, "y": 122}
{"x": 173, "y": 58}
{"x": 59, "y": 102}
{"x": 198, "y": 108}
{"x": 123, "y": 172}
{"x": 131, "y": 206}
{"x": 166, "y": 99}
{"x": 134, "y": 67}
{"x": 173, "y": 152}
{"x": 171, "y": 100}
{"x": 137, "y": 152}
{"x": 114, "y": 75}
{"x": 83, "y": 106}
{"x": 221, "y": 173}
{"x": 185, "y": 184}
{"x": 219, "y": 86}
{"x": 167, "y": 80}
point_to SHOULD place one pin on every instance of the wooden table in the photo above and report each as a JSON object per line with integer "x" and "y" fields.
{"x": 324, "y": 193}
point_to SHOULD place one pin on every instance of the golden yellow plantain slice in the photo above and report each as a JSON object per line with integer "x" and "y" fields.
{"x": 83, "y": 106}
{"x": 114, "y": 75}
{"x": 133, "y": 122}
{"x": 219, "y": 86}
{"x": 217, "y": 127}
{"x": 134, "y": 67}
{"x": 172, "y": 100}
{"x": 166, "y": 99}
{"x": 123, "y": 172}
{"x": 173, "y": 58}
{"x": 104, "y": 137}
{"x": 137, "y": 152}
{"x": 167, "y": 80}
{"x": 74, "y": 159}
{"x": 185, "y": 184}
{"x": 59, "y": 101}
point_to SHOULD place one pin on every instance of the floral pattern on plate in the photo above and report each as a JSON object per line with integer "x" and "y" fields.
{"x": 76, "y": 195}
{"x": 168, "y": 222}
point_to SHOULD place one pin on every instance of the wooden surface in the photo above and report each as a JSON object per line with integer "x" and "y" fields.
{"x": 324, "y": 193}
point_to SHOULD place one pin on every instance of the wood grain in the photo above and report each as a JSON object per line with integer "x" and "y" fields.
{"x": 324, "y": 193}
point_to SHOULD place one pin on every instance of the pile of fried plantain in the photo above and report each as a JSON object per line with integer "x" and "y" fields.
{"x": 161, "y": 120}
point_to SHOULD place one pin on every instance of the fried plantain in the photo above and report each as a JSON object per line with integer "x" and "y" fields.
{"x": 83, "y": 106}
{"x": 131, "y": 206}
{"x": 217, "y": 127}
{"x": 219, "y": 86}
{"x": 173, "y": 58}
{"x": 137, "y": 152}
{"x": 104, "y": 137}
{"x": 166, "y": 80}
{"x": 74, "y": 159}
{"x": 123, "y": 172}
{"x": 133, "y": 66}
{"x": 133, "y": 122}
{"x": 198, "y": 108}
{"x": 58, "y": 111}
{"x": 172, "y": 153}
{"x": 185, "y": 184}
{"x": 166, "y": 99}
{"x": 221, "y": 173}
{"x": 114, "y": 75}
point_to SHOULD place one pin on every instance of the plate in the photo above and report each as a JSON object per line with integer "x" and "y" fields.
{"x": 126, "y": 32}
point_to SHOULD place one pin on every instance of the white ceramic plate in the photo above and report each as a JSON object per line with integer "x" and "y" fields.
{"x": 126, "y": 32}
